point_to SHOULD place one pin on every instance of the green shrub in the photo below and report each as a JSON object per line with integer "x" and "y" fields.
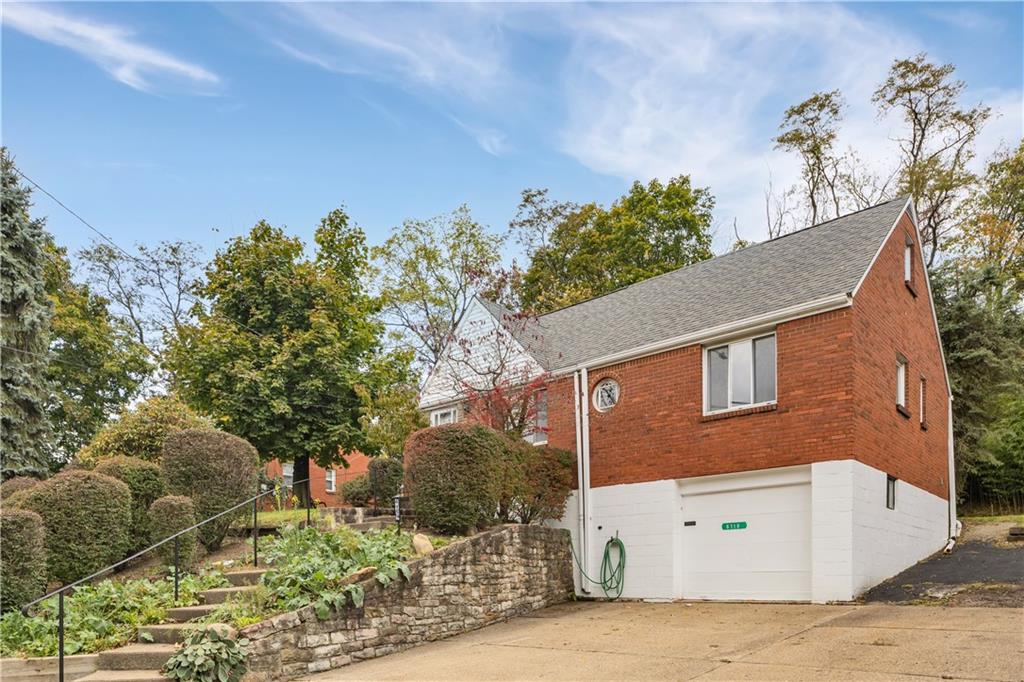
{"x": 23, "y": 558}
{"x": 546, "y": 483}
{"x": 208, "y": 656}
{"x": 385, "y": 479}
{"x": 87, "y": 516}
{"x": 453, "y": 476}
{"x": 146, "y": 482}
{"x": 217, "y": 470}
{"x": 356, "y": 491}
{"x": 167, "y": 516}
{"x": 141, "y": 432}
{"x": 16, "y": 484}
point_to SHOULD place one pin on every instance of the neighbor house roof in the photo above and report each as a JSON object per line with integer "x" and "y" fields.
{"x": 814, "y": 263}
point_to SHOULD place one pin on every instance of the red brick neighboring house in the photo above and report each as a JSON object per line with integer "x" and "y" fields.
{"x": 325, "y": 483}
{"x": 770, "y": 424}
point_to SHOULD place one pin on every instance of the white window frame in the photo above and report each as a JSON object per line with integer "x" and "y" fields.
{"x": 437, "y": 415}
{"x": 908, "y": 262}
{"x": 288, "y": 474}
{"x": 331, "y": 480}
{"x": 597, "y": 392}
{"x": 901, "y": 382}
{"x": 706, "y": 374}
{"x": 923, "y": 384}
{"x": 539, "y": 436}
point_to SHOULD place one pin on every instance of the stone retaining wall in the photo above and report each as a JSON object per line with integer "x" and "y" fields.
{"x": 504, "y": 572}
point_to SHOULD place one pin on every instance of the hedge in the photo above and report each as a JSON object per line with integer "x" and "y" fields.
{"x": 16, "y": 484}
{"x": 356, "y": 491}
{"x": 547, "y": 481}
{"x": 168, "y": 515}
{"x": 87, "y": 516}
{"x": 23, "y": 559}
{"x": 216, "y": 469}
{"x": 141, "y": 432}
{"x": 452, "y": 471}
{"x": 385, "y": 479}
{"x": 146, "y": 482}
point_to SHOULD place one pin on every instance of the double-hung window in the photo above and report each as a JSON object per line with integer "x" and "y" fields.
{"x": 331, "y": 480}
{"x": 901, "y": 385}
{"x": 448, "y": 415}
{"x": 740, "y": 374}
{"x": 537, "y": 432}
{"x": 288, "y": 473}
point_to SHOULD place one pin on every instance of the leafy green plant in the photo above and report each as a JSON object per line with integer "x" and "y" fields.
{"x": 168, "y": 515}
{"x": 208, "y": 656}
{"x": 309, "y": 566}
{"x": 87, "y": 517}
{"x": 356, "y": 491}
{"x": 16, "y": 484}
{"x": 100, "y": 616}
{"x": 146, "y": 483}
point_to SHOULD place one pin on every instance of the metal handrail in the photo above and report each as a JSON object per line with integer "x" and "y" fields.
{"x": 59, "y": 592}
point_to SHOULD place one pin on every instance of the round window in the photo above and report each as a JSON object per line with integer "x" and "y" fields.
{"x": 606, "y": 394}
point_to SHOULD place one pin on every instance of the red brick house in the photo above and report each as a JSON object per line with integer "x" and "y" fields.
{"x": 773, "y": 423}
{"x": 325, "y": 484}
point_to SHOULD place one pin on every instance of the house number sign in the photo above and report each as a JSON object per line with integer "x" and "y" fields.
{"x": 734, "y": 525}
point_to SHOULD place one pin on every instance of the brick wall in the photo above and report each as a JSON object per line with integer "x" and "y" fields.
{"x": 658, "y": 430}
{"x": 484, "y": 579}
{"x": 358, "y": 464}
{"x": 890, "y": 319}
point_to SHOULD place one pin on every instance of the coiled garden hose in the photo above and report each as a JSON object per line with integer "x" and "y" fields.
{"x": 612, "y": 577}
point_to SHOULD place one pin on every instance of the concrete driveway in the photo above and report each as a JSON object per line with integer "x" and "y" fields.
{"x": 705, "y": 641}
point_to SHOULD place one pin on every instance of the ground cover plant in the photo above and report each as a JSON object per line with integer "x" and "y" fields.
{"x": 308, "y": 566}
{"x": 208, "y": 656}
{"x": 100, "y": 616}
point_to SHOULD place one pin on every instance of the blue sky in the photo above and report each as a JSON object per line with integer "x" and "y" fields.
{"x": 174, "y": 120}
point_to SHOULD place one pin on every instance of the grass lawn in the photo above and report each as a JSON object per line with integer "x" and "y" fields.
{"x": 275, "y": 519}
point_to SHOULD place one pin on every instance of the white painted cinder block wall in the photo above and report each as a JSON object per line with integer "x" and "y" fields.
{"x": 856, "y": 542}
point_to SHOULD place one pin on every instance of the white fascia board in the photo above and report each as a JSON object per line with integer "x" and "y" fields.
{"x": 750, "y": 325}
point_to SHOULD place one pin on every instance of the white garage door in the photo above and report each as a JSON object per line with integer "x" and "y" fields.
{"x": 752, "y": 543}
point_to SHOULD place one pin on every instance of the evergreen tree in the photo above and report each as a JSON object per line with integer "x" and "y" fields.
{"x": 25, "y": 314}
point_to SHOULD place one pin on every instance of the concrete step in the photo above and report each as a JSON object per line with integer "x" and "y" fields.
{"x": 136, "y": 657}
{"x": 172, "y": 633}
{"x": 124, "y": 676}
{"x": 249, "y": 576}
{"x": 220, "y": 595}
{"x": 183, "y": 614}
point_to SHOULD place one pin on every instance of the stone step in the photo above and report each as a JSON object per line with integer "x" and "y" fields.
{"x": 173, "y": 633}
{"x": 219, "y": 595}
{"x": 247, "y": 577}
{"x": 136, "y": 657}
{"x": 376, "y": 524}
{"x": 124, "y": 676}
{"x": 182, "y": 614}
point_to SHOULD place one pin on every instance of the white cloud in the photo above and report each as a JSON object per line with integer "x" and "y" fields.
{"x": 114, "y": 48}
{"x": 494, "y": 142}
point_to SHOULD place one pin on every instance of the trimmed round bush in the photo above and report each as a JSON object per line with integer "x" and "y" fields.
{"x": 168, "y": 515}
{"x": 356, "y": 491}
{"x": 548, "y": 477}
{"x": 16, "y": 484}
{"x": 141, "y": 432}
{"x": 146, "y": 482}
{"x": 452, "y": 472}
{"x": 87, "y": 516}
{"x": 385, "y": 479}
{"x": 217, "y": 470}
{"x": 23, "y": 559}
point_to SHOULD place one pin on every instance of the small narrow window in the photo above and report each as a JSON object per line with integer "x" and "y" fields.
{"x": 890, "y": 492}
{"x": 331, "y": 480}
{"x": 538, "y": 431}
{"x": 288, "y": 473}
{"x": 901, "y": 383}
{"x": 908, "y": 263}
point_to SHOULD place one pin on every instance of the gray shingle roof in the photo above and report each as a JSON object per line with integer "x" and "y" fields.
{"x": 800, "y": 267}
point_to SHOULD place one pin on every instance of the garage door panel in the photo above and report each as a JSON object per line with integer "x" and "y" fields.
{"x": 768, "y": 558}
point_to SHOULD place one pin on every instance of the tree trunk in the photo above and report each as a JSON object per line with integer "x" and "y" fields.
{"x": 300, "y": 472}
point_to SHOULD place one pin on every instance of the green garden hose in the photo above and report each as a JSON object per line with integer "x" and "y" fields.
{"x": 612, "y": 578}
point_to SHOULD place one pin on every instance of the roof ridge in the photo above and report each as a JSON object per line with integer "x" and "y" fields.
{"x": 724, "y": 255}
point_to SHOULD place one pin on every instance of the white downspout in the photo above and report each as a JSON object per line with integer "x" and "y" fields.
{"x": 581, "y": 511}
{"x": 585, "y": 483}
{"x": 954, "y": 523}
